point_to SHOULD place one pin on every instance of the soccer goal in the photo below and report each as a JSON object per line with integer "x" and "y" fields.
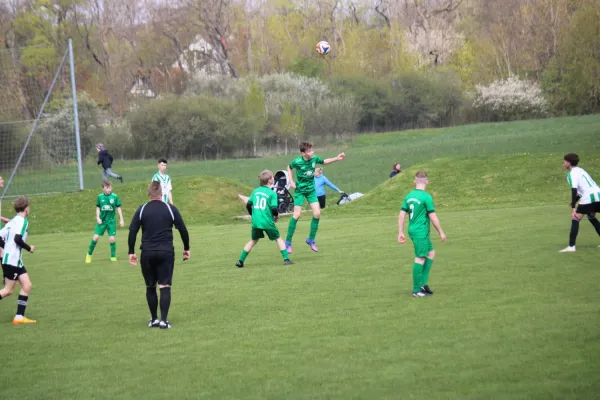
{"x": 40, "y": 147}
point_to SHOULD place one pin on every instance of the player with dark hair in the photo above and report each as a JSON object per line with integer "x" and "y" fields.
{"x": 12, "y": 241}
{"x": 585, "y": 191}
{"x": 157, "y": 218}
{"x": 305, "y": 190}
{"x": 107, "y": 203}
{"x": 418, "y": 204}
{"x": 164, "y": 180}
{"x": 262, "y": 206}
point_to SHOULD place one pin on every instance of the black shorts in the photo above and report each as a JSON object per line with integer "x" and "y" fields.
{"x": 157, "y": 267}
{"x": 588, "y": 209}
{"x": 322, "y": 200}
{"x": 12, "y": 273}
{"x": 272, "y": 234}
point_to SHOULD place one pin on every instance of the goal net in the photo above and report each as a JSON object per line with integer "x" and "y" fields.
{"x": 39, "y": 138}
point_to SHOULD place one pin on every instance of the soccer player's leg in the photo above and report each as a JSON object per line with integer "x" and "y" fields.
{"x": 273, "y": 235}
{"x": 23, "y": 297}
{"x": 582, "y": 209}
{"x": 421, "y": 247}
{"x": 10, "y": 280}
{"x": 164, "y": 266}
{"x": 427, "y": 268}
{"x": 593, "y": 220}
{"x": 98, "y": 231}
{"x": 298, "y": 202}
{"x": 314, "y": 223}
{"x": 150, "y": 279}
{"x": 255, "y": 235}
{"x": 112, "y": 232}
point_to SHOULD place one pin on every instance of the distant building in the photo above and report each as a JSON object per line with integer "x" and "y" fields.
{"x": 202, "y": 59}
{"x": 142, "y": 87}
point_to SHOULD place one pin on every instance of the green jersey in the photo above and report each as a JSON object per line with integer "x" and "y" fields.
{"x": 305, "y": 173}
{"x": 263, "y": 200}
{"x": 418, "y": 204}
{"x": 108, "y": 205}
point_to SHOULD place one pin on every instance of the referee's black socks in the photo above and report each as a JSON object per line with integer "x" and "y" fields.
{"x": 165, "y": 302}
{"x": 152, "y": 299}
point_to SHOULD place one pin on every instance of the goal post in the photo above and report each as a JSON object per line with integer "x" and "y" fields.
{"x": 40, "y": 144}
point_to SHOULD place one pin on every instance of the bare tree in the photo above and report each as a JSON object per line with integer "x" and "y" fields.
{"x": 214, "y": 19}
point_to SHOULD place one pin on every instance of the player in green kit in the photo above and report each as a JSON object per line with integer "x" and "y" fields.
{"x": 305, "y": 190}
{"x": 262, "y": 206}
{"x": 106, "y": 205}
{"x": 418, "y": 204}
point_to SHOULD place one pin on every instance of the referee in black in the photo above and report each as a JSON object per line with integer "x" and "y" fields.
{"x": 156, "y": 219}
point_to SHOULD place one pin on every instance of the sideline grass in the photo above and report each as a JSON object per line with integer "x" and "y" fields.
{"x": 510, "y": 319}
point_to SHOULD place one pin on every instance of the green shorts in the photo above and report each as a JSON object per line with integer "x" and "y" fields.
{"x": 422, "y": 246}
{"x": 111, "y": 227}
{"x": 272, "y": 234}
{"x": 310, "y": 196}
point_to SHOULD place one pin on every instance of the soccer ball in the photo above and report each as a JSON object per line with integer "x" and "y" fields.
{"x": 323, "y": 47}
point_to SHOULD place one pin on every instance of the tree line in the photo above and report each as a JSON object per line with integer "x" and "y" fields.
{"x": 234, "y": 77}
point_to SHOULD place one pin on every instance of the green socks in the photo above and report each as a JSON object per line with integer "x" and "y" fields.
{"x": 285, "y": 254}
{"x": 426, "y": 269}
{"x": 291, "y": 229}
{"x": 314, "y": 226}
{"x": 92, "y": 247}
{"x": 113, "y": 249}
{"x": 417, "y": 277}
{"x": 243, "y": 255}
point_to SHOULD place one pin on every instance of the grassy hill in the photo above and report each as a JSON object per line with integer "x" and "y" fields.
{"x": 518, "y": 180}
{"x": 473, "y": 166}
{"x": 203, "y": 200}
{"x": 369, "y": 156}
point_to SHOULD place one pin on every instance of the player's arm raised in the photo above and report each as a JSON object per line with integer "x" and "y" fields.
{"x": 401, "y": 217}
{"x": 339, "y": 157}
{"x": 436, "y": 224}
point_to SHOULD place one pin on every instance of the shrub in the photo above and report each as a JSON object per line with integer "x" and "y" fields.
{"x": 510, "y": 99}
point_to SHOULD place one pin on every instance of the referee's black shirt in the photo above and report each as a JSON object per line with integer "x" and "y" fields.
{"x": 156, "y": 219}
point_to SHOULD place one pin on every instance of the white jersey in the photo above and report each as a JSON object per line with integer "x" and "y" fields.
{"x": 12, "y": 251}
{"x": 587, "y": 189}
{"x": 165, "y": 184}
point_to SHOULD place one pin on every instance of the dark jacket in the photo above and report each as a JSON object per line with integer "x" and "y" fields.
{"x": 105, "y": 159}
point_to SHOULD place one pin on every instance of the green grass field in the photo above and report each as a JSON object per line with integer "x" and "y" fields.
{"x": 510, "y": 319}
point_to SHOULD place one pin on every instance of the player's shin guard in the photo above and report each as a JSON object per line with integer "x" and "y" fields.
{"x": 417, "y": 277}
{"x": 426, "y": 270}
{"x": 574, "y": 231}
{"x": 92, "y": 247}
{"x": 284, "y": 254}
{"x": 314, "y": 227}
{"x": 291, "y": 229}
{"x": 594, "y": 221}
{"x": 165, "y": 302}
{"x": 21, "y": 305}
{"x": 152, "y": 299}
{"x": 113, "y": 249}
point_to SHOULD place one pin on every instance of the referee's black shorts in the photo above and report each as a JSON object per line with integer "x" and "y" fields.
{"x": 157, "y": 267}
